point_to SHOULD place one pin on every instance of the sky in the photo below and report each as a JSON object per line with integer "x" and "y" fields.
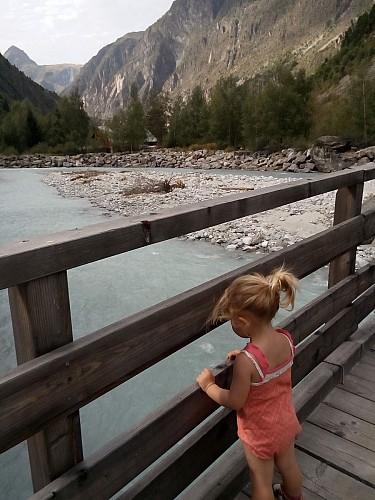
{"x": 72, "y": 31}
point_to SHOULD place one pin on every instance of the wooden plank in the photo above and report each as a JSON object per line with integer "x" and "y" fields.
{"x": 217, "y": 483}
{"x": 345, "y": 356}
{"x": 323, "y": 342}
{"x": 352, "y": 404}
{"x": 327, "y": 482}
{"x": 348, "y": 204}
{"x": 41, "y": 320}
{"x": 344, "y": 425}
{"x": 28, "y": 260}
{"x": 184, "y": 464}
{"x": 315, "y": 313}
{"x": 116, "y": 354}
{"x": 364, "y": 371}
{"x": 367, "y": 306}
{"x": 369, "y": 358}
{"x": 241, "y": 496}
{"x": 311, "y": 391}
{"x": 369, "y": 227}
{"x": 339, "y": 453}
{"x": 336, "y": 180}
{"x": 112, "y": 467}
{"x": 359, "y": 386}
{"x": 368, "y": 171}
{"x": 365, "y": 335}
{"x": 364, "y": 271}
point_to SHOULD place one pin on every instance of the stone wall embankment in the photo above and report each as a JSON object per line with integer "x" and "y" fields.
{"x": 287, "y": 160}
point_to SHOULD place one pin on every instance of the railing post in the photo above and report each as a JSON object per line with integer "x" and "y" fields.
{"x": 41, "y": 320}
{"x": 348, "y": 204}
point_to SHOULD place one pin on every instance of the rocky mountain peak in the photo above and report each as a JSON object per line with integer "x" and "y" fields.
{"x": 18, "y": 57}
{"x": 199, "y": 41}
{"x": 51, "y": 77}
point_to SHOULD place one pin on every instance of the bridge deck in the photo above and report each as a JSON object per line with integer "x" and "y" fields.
{"x": 336, "y": 449}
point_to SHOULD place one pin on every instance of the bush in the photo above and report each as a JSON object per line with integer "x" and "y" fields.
{"x": 9, "y": 151}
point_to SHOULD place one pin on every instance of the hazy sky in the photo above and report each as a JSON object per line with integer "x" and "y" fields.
{"x": 72, "y": 31}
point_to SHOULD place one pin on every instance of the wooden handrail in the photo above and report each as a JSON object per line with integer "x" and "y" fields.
{"x": 43, "y": 395}
{"x": 89, "y": 476}
{"x": 28, "y": 260}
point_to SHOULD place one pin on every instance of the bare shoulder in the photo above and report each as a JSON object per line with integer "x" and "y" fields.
{"x": 245, "y": 364}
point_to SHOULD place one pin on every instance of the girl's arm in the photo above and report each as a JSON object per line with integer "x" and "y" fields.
{"x": 235, "y": 397}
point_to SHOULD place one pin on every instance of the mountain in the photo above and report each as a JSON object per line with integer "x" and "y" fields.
{"x": 198, "y": 41}
{"x": 52, "y": 77}
{"x": 15, "y": 86}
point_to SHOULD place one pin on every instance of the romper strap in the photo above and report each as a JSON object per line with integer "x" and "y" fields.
{"x": 255, "y": 362}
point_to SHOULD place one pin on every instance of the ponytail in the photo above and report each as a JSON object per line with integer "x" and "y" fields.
{"x": 257, "y": 294}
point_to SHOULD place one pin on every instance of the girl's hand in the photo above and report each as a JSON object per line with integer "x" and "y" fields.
{"x": 205, "y": 379}
{"x": 232, "y": 354}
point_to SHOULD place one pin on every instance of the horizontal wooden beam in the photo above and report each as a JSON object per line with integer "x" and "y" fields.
{"x": 115, "y": 465}
{"x": 28, "y": 260}
{"x": 73, "y": 375}
{"x": 314, "y": 314}
{"x": 229, "y": 474}
{"x": 174, "y": 472}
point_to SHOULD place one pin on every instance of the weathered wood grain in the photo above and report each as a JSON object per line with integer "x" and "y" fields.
{"x": 28, "y": 260}
{"x": 96, "y": 363}
{"x": 364, "y": 371}
{"x": 43, "y": 395}
{"x": 228, "y": 475}
{"x": 344, "y": 425}
{"x": 315, "y": 313}
{"x": 306, "y": 397}
{"x": 369, "y": 359}
{"x": 178, "y": 469}
{"x": 360, "y": 386}
{"x": 113, "y": 466}
{"x": 352, "y": 404}
{"x": 348, "y": 204}
{"x": 345, "y": 356}
{"x": 329, "y": 483}
{"x": 41, "y": 320}
{"x": 336, "y": 451}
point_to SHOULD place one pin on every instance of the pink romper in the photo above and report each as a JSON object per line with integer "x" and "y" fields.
{"x": 267, "y": 423}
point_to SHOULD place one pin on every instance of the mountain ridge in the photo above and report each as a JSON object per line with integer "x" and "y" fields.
{"x": 199, "y": 41}
{"x": 16, "y": 86}
{"x": 53, "y": 77}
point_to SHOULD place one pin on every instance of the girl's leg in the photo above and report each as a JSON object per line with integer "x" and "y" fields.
{"x": 290, "y": 471}
{"x": 261, "y": 475}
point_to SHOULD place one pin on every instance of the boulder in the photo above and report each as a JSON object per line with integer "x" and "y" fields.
{"x": 326, "y": 151}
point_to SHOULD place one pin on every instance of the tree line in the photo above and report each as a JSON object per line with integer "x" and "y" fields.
{"x": 281, "y": 108}
{"x": 23, "y": 128}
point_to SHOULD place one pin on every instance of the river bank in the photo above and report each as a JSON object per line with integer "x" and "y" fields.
{"x": 134, "y": 192}
{"x": 323, "y": 159}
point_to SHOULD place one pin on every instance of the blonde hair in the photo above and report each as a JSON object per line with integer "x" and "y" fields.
{"x": 257, "y": 294}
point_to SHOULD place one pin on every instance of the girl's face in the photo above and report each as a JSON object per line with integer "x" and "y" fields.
{"x": 241, "y": 327}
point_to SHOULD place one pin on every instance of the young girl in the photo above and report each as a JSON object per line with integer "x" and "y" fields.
{"x": 261, "y": 388}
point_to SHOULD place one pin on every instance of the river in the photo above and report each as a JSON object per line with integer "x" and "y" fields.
{"x": 106, "y": 291}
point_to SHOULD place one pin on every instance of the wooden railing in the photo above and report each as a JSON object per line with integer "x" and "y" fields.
{"x": 57, "y": 375}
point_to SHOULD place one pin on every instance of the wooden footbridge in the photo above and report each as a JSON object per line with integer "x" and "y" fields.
{"x": 188, "y": 447}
